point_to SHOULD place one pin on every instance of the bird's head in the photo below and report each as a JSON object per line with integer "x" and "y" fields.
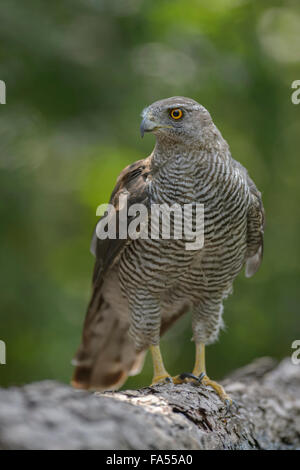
{"x": 176, "y": 118}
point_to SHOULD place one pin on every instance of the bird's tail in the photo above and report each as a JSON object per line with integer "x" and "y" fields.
{"x": 107, "y": 355}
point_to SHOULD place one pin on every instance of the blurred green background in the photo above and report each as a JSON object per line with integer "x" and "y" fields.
{"x": 78, "y": 73}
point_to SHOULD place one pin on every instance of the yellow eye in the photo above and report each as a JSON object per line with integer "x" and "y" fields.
{"x": 176, "y": 113}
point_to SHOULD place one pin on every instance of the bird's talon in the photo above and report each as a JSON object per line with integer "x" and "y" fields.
{"x": 228, "y": 404}
{"x": 201, "y": 376}
{"x": 188, "y": 375}
{"x": 231, "y": 405}
{"x": 161, "y": 379}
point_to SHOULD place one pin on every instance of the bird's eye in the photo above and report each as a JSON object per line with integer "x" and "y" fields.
{"x": 176, "y": 113}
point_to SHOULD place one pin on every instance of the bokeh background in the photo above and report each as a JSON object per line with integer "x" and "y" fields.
{"x": 78, "y": 73}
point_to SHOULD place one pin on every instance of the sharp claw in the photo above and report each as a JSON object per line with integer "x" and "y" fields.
{"x": 234, "y": 404}
{"x": 161, "y": 380}
{"x": 228, "y": 404}
{"x": 200, "y": 378}
{"x": 188, "y": 375}
{"x": 231, "y": 405}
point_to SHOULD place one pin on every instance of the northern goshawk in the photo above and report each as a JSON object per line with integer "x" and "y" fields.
{"x": 142, "y": 286}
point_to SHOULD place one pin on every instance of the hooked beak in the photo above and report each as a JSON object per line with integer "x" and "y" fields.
{"x": 148, "y": 125}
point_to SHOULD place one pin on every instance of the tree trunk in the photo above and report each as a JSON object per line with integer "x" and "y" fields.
{"x": 50, "y": 415}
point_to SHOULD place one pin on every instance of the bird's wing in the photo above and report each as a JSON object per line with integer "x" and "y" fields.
{"x": 107, "y": 355}
{"x": 132, "y": 183}
{"x": 255, "y": 230}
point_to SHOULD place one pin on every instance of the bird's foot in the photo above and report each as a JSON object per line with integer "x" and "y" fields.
{"x": 161, "y": 379}
{"x": 186, "y": 377}
{"x": 219, "y": 390}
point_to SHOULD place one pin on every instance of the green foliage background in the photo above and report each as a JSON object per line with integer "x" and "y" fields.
{"x": 78, "y": 73}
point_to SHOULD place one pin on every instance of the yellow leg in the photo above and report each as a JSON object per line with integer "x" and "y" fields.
{"x": 200, "y": 368}
{"x": 159, "y": 372}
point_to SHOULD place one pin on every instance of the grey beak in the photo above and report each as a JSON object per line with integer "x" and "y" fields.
{"x": 147, "y": 125}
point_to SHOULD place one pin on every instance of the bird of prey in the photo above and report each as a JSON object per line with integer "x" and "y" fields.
{"x": 142, "y": 286}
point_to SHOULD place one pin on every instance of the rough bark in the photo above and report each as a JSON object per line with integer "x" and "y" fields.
{"x": 50, "y": 415}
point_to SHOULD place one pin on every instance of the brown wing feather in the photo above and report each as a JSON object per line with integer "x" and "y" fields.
{"x": 107, "y": 355}
{"x": 255, "y": 231}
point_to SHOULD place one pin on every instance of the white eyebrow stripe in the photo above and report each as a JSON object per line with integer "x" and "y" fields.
{"x": 184, "y": 106}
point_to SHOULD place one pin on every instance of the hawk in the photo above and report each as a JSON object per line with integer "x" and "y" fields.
{"x": 141, "y": 286}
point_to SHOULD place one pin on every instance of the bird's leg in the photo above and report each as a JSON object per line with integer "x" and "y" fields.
{"x": 199, "y": 366}
{"x": 147, "y": 333}
{"x": 159, "y": 372}
{"x": 199, "y": 375}
{"x": 200, "y": 369}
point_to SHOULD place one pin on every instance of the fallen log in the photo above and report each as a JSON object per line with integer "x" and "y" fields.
{"x": 51, "y": 415}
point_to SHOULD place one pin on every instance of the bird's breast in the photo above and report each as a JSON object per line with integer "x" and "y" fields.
{"x": 161, "y": 262}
